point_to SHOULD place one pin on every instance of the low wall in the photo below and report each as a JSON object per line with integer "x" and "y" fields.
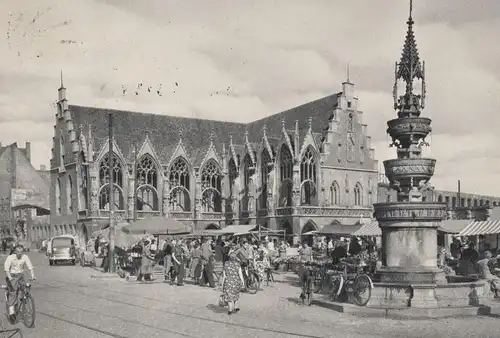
{"x": 459, "y": 292}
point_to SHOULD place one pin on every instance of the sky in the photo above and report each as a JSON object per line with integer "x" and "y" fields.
{"x": 240, "y": 60}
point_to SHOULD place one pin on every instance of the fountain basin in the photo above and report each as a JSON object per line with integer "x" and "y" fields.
{"x": 417, "y": 168}
{"x": 421, "y": 214}
{"x": 409, "y": 127}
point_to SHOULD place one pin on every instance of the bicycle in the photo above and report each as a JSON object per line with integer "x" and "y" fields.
{"x": 357, "y": 284}
{"x": 252, "y": 280}
{"x": 269, "y": 276}
{"x": 24, "y": 302}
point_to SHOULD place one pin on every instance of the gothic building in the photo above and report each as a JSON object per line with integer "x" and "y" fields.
{"x": 308, "y": 168}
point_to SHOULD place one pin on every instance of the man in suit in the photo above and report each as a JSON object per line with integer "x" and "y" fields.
{"x": 207, "y": 263}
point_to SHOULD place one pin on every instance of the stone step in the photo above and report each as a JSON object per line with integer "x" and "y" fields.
{"x": 403, "y": 313}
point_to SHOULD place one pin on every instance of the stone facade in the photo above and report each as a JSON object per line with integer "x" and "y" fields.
{"x": 18, "y": 180}
{"x": 308, "y": 168}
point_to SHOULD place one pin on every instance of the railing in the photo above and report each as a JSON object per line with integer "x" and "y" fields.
{"x": 284, "y": 211}
{"x": 181, "y": 214}
{"x": 365, "y": 212}
{"x": 119, "y": 214}
{"x": 148, "y": 214}
{"x": 212, "y": 215}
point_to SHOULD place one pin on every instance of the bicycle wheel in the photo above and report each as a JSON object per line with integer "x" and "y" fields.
{"x": 335, "y": 287}
{"x": 253, "y": 283}
{"x": 309, "y": 292}
{"x": 28, "y": 311}
{"x": 362, "y": 290}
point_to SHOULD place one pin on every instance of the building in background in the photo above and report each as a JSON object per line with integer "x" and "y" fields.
{"x": 24, "y": 195}
{"x": 461, "y": 205}
{"x": 308, "y": 168}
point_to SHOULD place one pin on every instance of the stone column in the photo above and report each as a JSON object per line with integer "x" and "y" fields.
{"x": 130, "y": 197}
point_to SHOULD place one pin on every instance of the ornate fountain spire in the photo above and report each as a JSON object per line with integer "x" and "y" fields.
{"x": 409, "y": 69}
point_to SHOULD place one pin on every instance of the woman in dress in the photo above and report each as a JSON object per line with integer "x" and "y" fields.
{"x": 261, "y": 261}
{"x": 232, "y": 282}
{"x": 147, "y": 259}
{"x": 195, "y": 271}
{"x": 179, "y": 256}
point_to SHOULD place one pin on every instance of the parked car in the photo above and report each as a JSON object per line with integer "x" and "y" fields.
{"x": 62, "y": 249}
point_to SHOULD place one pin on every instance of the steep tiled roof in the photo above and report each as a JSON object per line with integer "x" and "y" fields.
{"x": 130, "y": 128}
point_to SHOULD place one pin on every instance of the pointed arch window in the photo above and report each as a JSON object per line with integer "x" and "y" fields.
{"x": 180, "y": 179}
{"x": 286, "y": 177}
{"x": 70, "y": 194}
{"x": 147, "y": 184}
{"x": 104, "y": 181}
{"x": 264, "y": 172}
{"x": 211, "y": 179}
{"x": 62, "y": 149}
{"x": 335, "y": 193}
{"x": 308, "y": 177}
{"x": 58, "y": 196}
{"x": 83, "y": 191}
{"x": 248, "y": 168}
{"x": 233, "y": 194}
{"x": 358, "y": 194}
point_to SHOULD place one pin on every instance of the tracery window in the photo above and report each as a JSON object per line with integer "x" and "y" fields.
{"x": 308, "y": 177}
{"x": 264, "y": 172}
{"x": 334, "y": 193}
{"x": 70, "y": 194}
{"x": 62, "y": 150}
{"x": 179, "y": 180}
{"x": 104, "y": 182}
{"x": 286, "y": 176}
{"x": 58, "y": 196}
{"x": 211, "y": 177}
{"x": 247, "y": 182}
{"x": 147, "y": 184}
{"x": 233, "y": 194}
{"x": 349, "y": 122}
{"x": 358, "y": 194}
{"x": 83, "y": 199}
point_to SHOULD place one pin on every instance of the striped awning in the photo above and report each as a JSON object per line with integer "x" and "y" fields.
{"x": 454, "y": 226}
{"x": 369, "y": 229}
{"x": 477, "y": 228}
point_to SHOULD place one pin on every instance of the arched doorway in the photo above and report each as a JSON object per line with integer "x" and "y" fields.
{"x": 212, "y": 226}
{"x": 285, "y": 225}
{"x": 308, "y": 227}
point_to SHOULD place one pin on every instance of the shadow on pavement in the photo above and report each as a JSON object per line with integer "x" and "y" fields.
{"x": 216, "y": 308}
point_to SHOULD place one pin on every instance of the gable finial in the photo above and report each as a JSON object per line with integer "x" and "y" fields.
{"x": 264, "y": 130}
{"x": 309, "y": 123}
{"x": 283, "y": 124}
{"x": 231, "y": 139}
{"x": 211, "y": 137}
{"x": 81, "y": 128}
{"x": 246, "y": 135}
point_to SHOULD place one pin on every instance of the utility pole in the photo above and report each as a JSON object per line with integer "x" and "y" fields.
{"x": 111, "y": 253}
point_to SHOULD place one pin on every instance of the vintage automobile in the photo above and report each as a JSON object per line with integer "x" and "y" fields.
{"x": 62, "y": 249}
{"x": 87, "y": 255}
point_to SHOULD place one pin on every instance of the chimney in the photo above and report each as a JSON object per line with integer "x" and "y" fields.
{"x": 28, "y": 151}
{"x": 43, "y": 167}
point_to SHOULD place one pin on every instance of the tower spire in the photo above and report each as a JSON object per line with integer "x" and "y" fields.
{"x": 408, "y": 70}
{"x": 62, "y": 82}
{"x": 348, "y": 73}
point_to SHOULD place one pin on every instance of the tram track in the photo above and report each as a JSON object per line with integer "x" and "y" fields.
{"x": 183, "y": 315}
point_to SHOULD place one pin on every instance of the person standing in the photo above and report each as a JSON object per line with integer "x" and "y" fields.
{"x": 195, "y": 270}
{"x": 179, "y": 260}
{"x": 232, "y": 282}
{"x": 207, "y": 261}
{"x": 147, "y": 259}
{"x": 167, "y": 261}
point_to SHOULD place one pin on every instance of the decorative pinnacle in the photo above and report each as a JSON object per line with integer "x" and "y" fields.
{"x": 231, "y": 139}
{"x": 283, "y": 124}
{"x": 409, "y": 68}
{"x": 211, "y": 137}
{"x": 348, "y": 74}
{"x": 62, "y": 83}
{"x": 309, "y": 121}
{"x": 264, "y": 130}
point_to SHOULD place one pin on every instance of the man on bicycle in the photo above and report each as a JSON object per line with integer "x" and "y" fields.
{"x": 14, "y": 267}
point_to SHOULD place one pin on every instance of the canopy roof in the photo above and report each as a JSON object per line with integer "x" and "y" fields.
{"x": 477, "y": 228}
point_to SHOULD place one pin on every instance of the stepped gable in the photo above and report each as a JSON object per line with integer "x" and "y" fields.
{"x": 164, "y": 131}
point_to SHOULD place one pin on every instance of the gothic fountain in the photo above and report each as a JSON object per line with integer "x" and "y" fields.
{"x": 410, "y": 282}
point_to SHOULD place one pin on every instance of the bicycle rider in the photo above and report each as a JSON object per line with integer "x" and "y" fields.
{"x": 14, "y": 266}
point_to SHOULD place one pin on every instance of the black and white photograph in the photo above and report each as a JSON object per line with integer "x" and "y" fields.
{"x": 250, "y": 168}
